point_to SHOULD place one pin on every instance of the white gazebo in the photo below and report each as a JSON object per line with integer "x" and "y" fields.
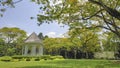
{"x": 33, "y": 46}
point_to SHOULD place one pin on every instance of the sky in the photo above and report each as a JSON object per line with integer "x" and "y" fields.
{"x": 20, "y": 17}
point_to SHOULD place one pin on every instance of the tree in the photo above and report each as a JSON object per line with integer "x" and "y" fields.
{"x": 51, "y": 46}
{"x": 110, "y": 42}
{"x": 4, "y": 4}
{"x": 12, "y": 34}
{"x": 57, "y": 46}
{"x": 86, "y": 38}
{"x": 97, "y": 13}
{"x": 76, "y": 44}
{"x": 13, "y": 38}
{"x": 2, "y": 46}
{"x": 40, "y": 35}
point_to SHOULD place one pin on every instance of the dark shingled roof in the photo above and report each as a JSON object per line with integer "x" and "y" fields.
{"x": 33, "y": 38}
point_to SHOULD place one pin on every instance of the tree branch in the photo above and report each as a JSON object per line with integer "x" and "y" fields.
{"x": 111, "y": 11}
{"x": 16, "y": 2}
{"x": 92, "y": 15}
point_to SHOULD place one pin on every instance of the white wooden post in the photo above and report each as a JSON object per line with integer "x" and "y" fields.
{"x": 33, "y": 51}
{"x": 26, "y": 50}
{"x": 41, "y": 50}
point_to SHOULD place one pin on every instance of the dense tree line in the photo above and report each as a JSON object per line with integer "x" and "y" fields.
{"x": 76, "y": 48}
{"x": 80, "y": 43}
{"x": 11, "y": 41}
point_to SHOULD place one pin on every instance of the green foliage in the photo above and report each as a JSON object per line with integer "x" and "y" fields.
{"x": 57, "y": 57}
{"x": 45, "y": 57}
{"x": 6, "y": 58}
{"x": 54, "y": 45}
{"x": 40, "y": 35}
{"x": 12, "y": 40}
{"x": 28, "y": 59}
{"x": 111, "y": 42}
{"x": 12, "y": 33}
{"x": 84, "y": 35}
{"x": 79, "y": 43}
{"x": 18, "y": 57}
{"x": 7, "y": 3}
{"x": 97, "y": 13}
{"x": 85, "y": 18}
{"x": 36, "y": 58}
{"x": 2, "y": 46}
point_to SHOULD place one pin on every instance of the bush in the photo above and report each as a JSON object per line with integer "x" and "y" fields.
{"x": 37, "y": 59}
{"x": 22, "y": 58}
{"x": 45, "y": 57}
{"x": 6, "y": 58}
{"x": 17, "y": 57}
{"x": 28, "y": 59}
{"x": 48, "y": 57}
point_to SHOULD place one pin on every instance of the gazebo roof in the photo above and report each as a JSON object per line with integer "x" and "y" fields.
{"x": 33, "y": 38}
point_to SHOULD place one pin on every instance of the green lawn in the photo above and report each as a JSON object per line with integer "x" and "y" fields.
{"x": 62, "y": 64}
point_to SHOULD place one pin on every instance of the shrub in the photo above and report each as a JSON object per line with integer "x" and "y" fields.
{"x": 37, "y": 59}
{"x": 22, "y": 58}
{"x": 48, "y": 57}
{"x": 45, "y": 57}
{"x": 17, "y": 57}
{"x": 6, "y": 58}
{"x": 28, "y": 59}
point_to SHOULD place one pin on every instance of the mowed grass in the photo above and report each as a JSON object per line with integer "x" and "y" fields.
{"x": 62, "y": 64}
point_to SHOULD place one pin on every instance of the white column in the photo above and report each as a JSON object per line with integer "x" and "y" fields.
{"x": 33, "y": 51}
{"x": 26, "y": 50}
{"x": 41, "y": 50}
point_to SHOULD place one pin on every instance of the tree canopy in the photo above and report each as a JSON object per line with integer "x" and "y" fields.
{"x": 4, "y": 4}
{"x": 11, "y": 40}
{"x": 97, "y": 13}
{"x": 12, "y": 34}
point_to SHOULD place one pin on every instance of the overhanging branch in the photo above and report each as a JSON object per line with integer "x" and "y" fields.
{"x": 113, "y": 12}
{"x": 92, "y": 15}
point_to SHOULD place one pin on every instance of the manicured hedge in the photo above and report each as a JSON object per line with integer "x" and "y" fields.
{"x": 29, "y": 58}
{"x": 36, "y": 58}
{"x": 6, "y": 58}
{"x": 45, "y": 57}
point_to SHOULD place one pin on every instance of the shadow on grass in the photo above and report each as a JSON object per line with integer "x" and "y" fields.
{"x": 44, "y": 67}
